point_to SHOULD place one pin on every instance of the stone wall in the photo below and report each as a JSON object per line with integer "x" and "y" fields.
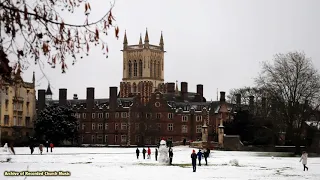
{"x": 232, "y": 143}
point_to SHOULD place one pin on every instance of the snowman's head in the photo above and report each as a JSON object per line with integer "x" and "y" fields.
{"x": 163, "y": 143}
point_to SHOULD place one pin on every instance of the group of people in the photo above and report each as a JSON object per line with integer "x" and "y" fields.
{"x": 41, "y": 147}
{"x": 199, "y": 155}
{"x": 148, "y": 152}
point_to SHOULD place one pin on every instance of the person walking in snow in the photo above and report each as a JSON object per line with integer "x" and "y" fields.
{"x": 12, "y": 149}
{"x": 205, "y": 155}
{"x": 31, "y": 148}
{"x": 199, "y": 154}
{"x": 47, "y": 145}
{"x": 51, "y": 146}
{"x": 144, "y": 153}
{"x": 194, "y": 160}
{"x": 137, "y": 153}
{"x": 304, "y": 159}
{"x": 41, "y": 148}
{"x": 149, "y": 153}
{"x": 170, "y": 155}
{"x": 156, "y": 154}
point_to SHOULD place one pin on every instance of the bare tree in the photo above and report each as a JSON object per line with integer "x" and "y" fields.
{"x": 34, "y": 29}
{"x": 293, "y": 82}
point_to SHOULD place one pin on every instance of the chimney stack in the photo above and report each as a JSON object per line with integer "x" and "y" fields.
{"x": 200, "y": 89}
{"x": 62, "y": 97}
{"x": 184, "y": 90}
{"x": 41, "y": 99}
{"x": 238, "y": 99}
{"x": 75, "y": 96}
{"x": 170, "y": 87}
{"x": 222, "y": 96}
{"x": 113, "y": 91}
{"x": 90, "y": 97}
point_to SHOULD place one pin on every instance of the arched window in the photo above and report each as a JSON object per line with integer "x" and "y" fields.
{"x": 155, "y": 69}
{"x": 140, "y": 68}
{"x": 151, "y": 67}
{"x": 135, "y": 68}
{"x": 159, "y": 70}
{"x": 130, "y": 69}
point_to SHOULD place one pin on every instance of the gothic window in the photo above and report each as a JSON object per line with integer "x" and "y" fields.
{"x": 155, "y": 69}
{"x": 140, "y": 68}
{"x": 158, "y": 69}
{"x": 135, "y": 68}
{"x": 130, "y": 69}
{"x": 151, "y": 69}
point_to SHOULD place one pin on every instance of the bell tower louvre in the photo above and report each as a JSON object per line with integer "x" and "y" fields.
{"x": 143, "y": 68}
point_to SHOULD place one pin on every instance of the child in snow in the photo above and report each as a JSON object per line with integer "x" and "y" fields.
{"x": 51, "y": 146}
{"x": 156, "y": 154}
{"x": 194, "y": 160}
{"x": 304, "y": 159}
{"x": 170, "y": 155}
{"x": 31, "y": 148}
{"x": 149, "y": 153}
{"x": 137, "y": 153}
{"x": 199, "y": 154}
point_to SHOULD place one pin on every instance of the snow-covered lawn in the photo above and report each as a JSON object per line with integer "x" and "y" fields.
{"x": 121, "y": 163}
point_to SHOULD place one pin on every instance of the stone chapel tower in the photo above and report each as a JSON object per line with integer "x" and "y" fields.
{"x": 143, "y": 68}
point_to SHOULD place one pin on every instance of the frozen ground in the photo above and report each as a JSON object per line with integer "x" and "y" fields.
{"x": 121, "y": 163}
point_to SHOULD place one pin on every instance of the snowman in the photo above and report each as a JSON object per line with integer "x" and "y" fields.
{"x": 163, "y": 152}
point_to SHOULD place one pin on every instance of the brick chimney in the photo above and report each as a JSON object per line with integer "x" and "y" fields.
{"x": 184, "y": 90}
{"x": 90, "y": 97}
{"x": 238, "y": 99}
{"x": 170, "y": 87}
{"x": 200, "y": 89}
{"x": 222, "y": 96}
{"x": 62, "y": 97}
{"x": 41, "y": 99}
{"x": 113, "y": 91}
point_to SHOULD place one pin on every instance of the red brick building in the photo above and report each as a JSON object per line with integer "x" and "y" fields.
{"x": 145, "y": 109}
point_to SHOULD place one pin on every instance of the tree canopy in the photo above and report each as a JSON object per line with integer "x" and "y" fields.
{"x": 34, "y": 30}
{"x": 56, "y": 123}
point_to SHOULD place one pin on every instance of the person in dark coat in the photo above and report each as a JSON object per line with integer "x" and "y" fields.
{"x": 156, "y": 154}
{"x": 184, "y": 142}
{"x": 137, "y": 153}
{"x": 194, "y": 160}
{"x": 205, "y": 155}
{"x": 144, "y": 153}
{"x": 199, "y": 154}
{"x": 170, "y": 155}
{"x": 208, "y": 150}
{"x": 51, "y": 146}
{"x": 47, "y": 145}
{"x": 31, "y": 148}
{"x": 12, "y": 149}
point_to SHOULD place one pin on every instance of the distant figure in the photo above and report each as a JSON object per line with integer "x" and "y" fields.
{"x": 137, "y": 153}
{"x": 47, "y": 145}
{"x": 41, "y": 148}
{"x": 156, "y": 154}
{"x": 194, "y": 160}
{"x": 199, "y": 154}
{"x": 31, "y": 148}
{"x": 208, "y": 150}
{"x": 51, "y": 146}
{"x": 144, "y": 153}
{"x": 206, "y": 155}
{"x": 184, "y": 141}
{"x": 149, "y": 153}
{"x": 12, "y": 149}
{"x": 304, "y": 159}
{"x": 170, "y": 155}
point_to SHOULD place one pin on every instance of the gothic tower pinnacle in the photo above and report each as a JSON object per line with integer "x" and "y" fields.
{"x": 146, "y": 39}
{"x": 125, "y": 40}
{"x": 161, "y": 42}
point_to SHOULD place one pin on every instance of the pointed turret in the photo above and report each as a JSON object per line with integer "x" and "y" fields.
{"x": 177, "y": 89}
{"x": 146, "y": 39}
{"x": 140, "y": 41}
{"x": 125, "y": 40}
{"x": 49, "y": 92}
{"x": 161, "y": 42}
{"x": 18, "y": 73}
{"x": 34, "y": 78}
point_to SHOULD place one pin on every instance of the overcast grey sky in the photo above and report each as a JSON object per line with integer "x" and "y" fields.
{"x": 217, "y": 43}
